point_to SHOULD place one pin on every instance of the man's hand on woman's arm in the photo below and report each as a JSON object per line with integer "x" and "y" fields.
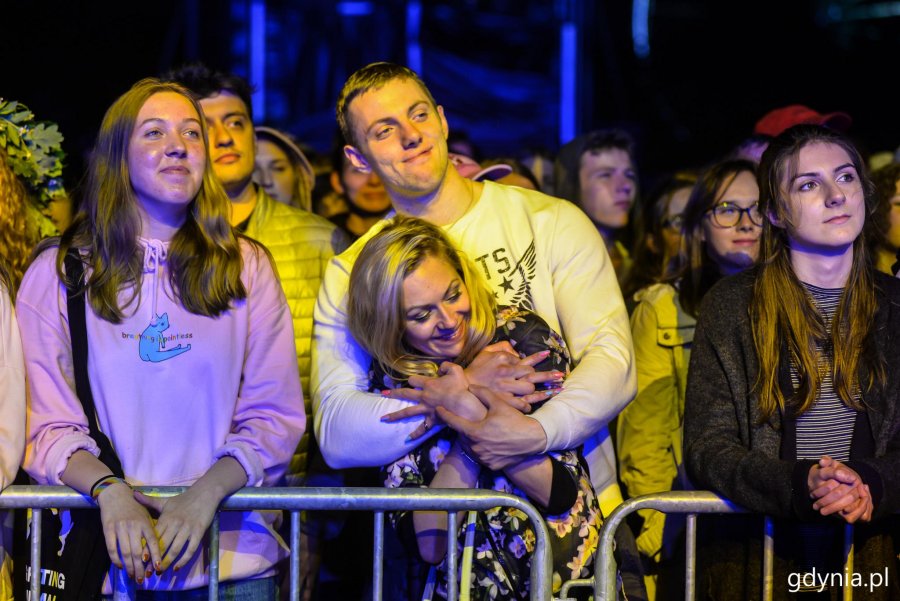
{"x": 503, "y": 437}
{"x": 497, "y": 367}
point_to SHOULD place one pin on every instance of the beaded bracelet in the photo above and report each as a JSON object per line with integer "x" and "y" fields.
{"x": 104, "y": 483}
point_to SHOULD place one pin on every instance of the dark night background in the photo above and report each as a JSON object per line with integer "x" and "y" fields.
{"x": 713, "y": 68}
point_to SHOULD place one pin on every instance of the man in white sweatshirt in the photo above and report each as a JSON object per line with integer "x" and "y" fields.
{"x": 535, "y": 251}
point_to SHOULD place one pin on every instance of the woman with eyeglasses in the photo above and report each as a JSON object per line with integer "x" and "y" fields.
{"x": 721, "y": 229}
{"x": 792, "y": 397}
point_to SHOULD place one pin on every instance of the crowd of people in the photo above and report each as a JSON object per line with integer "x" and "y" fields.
{"x": 403, "y": 312}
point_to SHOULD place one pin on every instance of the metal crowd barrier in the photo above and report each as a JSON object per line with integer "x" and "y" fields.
{"x": 296, "y": 500}
{"x": 691, "y": 503}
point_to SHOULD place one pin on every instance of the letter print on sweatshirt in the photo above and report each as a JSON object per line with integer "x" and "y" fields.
{"x": 510, "y": 279}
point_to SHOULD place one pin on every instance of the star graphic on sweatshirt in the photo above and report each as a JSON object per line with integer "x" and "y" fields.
{"x": 515, "y": 288}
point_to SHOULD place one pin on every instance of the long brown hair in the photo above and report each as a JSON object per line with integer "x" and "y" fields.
{"x": 204, "y": 256}
{"x": 783, "y": 316}
{"x": 18, "y": 228}
{"x": 375, "y": 302}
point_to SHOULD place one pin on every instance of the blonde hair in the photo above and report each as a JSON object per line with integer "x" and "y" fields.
{"x": 375, "y": 303}
{"x": 204, "y": 256}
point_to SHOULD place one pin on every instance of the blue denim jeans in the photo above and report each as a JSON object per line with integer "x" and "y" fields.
{"x": 257, "y": 589}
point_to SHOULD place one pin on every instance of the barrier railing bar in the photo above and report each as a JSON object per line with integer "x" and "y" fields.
{"x": 674, "y": 501}
{"x": 691, "y": 503}
{"x": 768, "y": 575}
{"x": 569, "y": 584}
{"x": 36, "y": 526}
{"x": 214, "y": 559}
{"x": 690, "y": 556}
{"x": 451, "y": 556}
{"x": 296, "y": 498}
{"x": 848, "y": 562}
{"x": 295, "y": 557}
{"x": 293, "y": 498}
{"x": 378, "y": 556}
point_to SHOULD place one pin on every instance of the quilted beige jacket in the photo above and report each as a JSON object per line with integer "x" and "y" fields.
{"x": 301, "y": 244}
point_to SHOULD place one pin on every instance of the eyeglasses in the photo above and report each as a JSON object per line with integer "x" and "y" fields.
{"x": 674, "y": 222}
{"x": 727, "y": 214}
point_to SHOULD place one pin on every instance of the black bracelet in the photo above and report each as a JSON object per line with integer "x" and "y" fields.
{"x": 94, "y": 485}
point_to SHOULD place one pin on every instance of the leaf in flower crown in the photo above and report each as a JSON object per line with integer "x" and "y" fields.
{"x": 22, "y": 116}
{"x": 47, "y": 164}
{"x": 54, "y": 168}
{"x": 24, "y": 170}
{"x": 12, "y": 132}
{"x": 46, "y": 136}
{"x": 33, "y": 150}
{"x": 39, "y": 157}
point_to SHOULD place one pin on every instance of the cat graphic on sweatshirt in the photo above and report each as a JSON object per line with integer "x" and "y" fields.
{"x": 152, "y": 345}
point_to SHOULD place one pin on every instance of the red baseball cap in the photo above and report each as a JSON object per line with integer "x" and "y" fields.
{"x": 776, "y": 121}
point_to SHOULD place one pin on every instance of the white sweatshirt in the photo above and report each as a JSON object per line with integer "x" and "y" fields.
{"x": 535, "y": 251}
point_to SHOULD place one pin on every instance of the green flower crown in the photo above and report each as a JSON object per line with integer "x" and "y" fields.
{"x": 33, "y": 150}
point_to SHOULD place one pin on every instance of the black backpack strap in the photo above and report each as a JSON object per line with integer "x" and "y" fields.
{"x": 75, "y": 304}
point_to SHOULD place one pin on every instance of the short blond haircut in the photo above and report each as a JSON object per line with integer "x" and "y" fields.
{"x": 371, "y": 77}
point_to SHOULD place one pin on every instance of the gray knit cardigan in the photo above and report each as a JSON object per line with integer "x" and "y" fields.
{"x": 730, "y": 450}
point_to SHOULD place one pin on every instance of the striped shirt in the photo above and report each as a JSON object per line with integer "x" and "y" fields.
{"x": 827, "y": 427}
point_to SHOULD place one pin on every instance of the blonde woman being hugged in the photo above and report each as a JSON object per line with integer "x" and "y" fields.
{"x": 792, "y": 398}
{"x": 191, "y": 357}
{"x": 419, "y": 308}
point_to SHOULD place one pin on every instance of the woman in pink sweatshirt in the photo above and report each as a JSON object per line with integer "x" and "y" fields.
{"x": 191, "y": 357}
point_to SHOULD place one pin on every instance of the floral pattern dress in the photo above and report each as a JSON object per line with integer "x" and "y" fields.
{"x": 504, "y": 539}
